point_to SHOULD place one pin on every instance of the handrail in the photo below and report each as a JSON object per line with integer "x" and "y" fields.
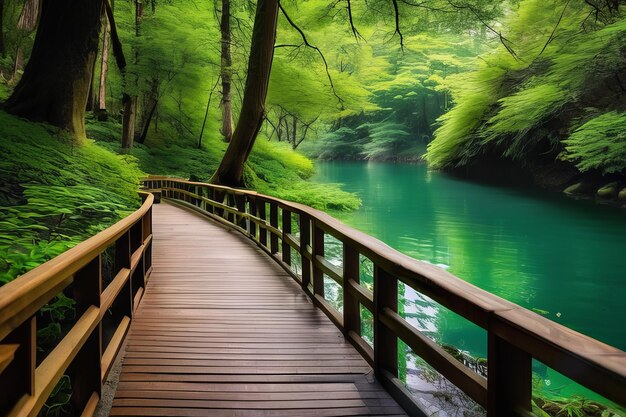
{"x": 515, "y": 334}
{"x": 25, "y": 386}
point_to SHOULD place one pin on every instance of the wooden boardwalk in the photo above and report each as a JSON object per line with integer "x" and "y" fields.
{"x": 224, "y": 331}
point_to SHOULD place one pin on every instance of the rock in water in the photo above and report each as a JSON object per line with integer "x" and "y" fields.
{"x": 582, "y": 187}
{"x": 622, "y": 195}
{"x": 609, "y": 190}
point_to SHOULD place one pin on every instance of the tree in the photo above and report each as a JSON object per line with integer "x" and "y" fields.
{"x": 230, "y": 171}
{"x": 226, "y": 72}
{"x": 130, "y": 100}
{"x": 104, "y": 70}
{"x": 55, "y": 83}
{"x": 2, "y": 50}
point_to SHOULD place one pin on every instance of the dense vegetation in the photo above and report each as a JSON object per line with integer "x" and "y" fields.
{"x": 552, "y": 104}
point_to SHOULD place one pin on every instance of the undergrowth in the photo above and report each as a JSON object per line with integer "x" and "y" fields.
{"x": 273, "y": 168}
{"x": 54, "y": 194}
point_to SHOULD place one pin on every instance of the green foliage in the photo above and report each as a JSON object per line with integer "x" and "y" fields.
{"x": 599, "y": 144}
{"x": 386, "y": 138}
{"x": 475, "y": 93}
{"x": 55, "y": 194}
{"x": 521, "y": 111}
{"x": 560, "y": 77}
{"x": 58, "y": 404}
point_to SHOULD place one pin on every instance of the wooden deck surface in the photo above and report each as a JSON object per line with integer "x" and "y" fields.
{"x": 224, "y": 331}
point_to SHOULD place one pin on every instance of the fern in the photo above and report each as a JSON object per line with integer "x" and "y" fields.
{"x": 599, "y": 144}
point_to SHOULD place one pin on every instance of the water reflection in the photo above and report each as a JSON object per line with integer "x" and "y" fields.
{"x": 565, "y": 259}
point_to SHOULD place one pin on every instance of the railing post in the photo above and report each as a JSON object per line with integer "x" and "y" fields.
{"x": 252, "y": 210}
{"x": 86, "y": 367}
{"x": 137, "y": 277}
{"x": 263, "y": 217}
{"x": 211, "y": 196}
{"x": 273, "y": 222}
{"x": 123, "y": 305}
{"x": 509, "y": 382}
{"x": 318, "y": 250}
{"x": 351, "y": 308}
{"x": 385, "y": 341}
{"x": 240, "y": 203}
{"x": 147, "y": 255}
{"x": 286, "y": 231}
{"x": 18, "y": 378}
{"x": 305, "y": 242}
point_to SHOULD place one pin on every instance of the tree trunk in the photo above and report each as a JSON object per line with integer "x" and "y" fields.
{"x": 128, "y": 121}
{"x": 18, "y": 64}
{"x": 2, "y": 50}
{"x": 226, "y": 73}
{"x": 56, "y": 79}
{"x": 91, "y": 95}
{"x": 146, "y": 123}
{"x": 149, "y": 106}
{"x": 104, "y": 70}
{"x": 295, "y": 132}
{"x": 130, "y": 102}
{"x": 230, "y": 171}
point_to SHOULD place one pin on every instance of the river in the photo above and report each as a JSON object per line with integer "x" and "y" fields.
{"x": 565, "y": 259}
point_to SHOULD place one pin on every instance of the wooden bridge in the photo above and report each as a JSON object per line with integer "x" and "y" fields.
{"x": 226, "y": 296}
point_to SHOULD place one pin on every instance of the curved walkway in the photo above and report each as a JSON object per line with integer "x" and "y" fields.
{"x": 224, "y": 331}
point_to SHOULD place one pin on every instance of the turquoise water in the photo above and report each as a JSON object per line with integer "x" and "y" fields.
{"x": 538, "y": 249}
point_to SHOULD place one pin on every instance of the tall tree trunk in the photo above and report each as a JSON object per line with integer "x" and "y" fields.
{"x": 130, "y": 102}
{"x": 147, "y": 119}
{"x": 56, "y": 79}
{"x": 226, "y": 73}
{"x": 295, "y": 132}
{"x": 230, "y": 171}
{"x": 128, "y": 121}
{"x": 25, "y": 25}
{"x": 148, "y": 107}
{"x": 2, "y": 50}
{"x": 18, "y": 65}
{"x": 104, "y": 70}
{"x": 91, "y": 95}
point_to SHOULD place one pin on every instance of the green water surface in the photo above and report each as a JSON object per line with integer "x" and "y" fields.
{"x": 541, "y": 250}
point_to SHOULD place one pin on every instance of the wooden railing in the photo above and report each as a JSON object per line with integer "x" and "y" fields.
{"x": 515, "y": 335}
{"x": 24, "y": 385}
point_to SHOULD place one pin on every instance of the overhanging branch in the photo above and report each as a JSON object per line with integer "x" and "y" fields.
{"x": 306, "y": 43}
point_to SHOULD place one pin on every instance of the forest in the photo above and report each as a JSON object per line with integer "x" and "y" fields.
{"x": 305, "y": 100}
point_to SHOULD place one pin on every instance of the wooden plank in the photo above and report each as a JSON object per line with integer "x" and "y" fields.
{"x": 223, "y": 330}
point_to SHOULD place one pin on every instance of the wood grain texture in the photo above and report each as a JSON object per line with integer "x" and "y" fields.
{"x": 222, "y": 330}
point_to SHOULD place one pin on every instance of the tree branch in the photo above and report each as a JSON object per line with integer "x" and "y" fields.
{"x": 504, "y": 41}
{"x": 355, "y": 32}
{"x": 551, "y": 38}
{"x": 306, "y": 43}
{"x": 396, "y": 12}
{"x": 206, "y": 114}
